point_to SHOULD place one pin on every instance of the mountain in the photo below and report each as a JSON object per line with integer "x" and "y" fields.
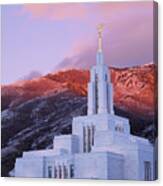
{"x": 33, "y": 111}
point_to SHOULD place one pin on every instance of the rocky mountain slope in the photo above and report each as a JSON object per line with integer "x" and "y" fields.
{"x": 33, "y": 111}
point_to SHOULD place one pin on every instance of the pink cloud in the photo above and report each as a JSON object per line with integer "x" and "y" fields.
{"x": 56, "y": 11}
{"x": 128, "y": 39}
{"x": 36, "y": 10}
{"x": 85, "y": 11}
{"x": 128, "y": 30}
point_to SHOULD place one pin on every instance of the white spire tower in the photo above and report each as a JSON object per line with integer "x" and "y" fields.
{"x": 100, "y": 91}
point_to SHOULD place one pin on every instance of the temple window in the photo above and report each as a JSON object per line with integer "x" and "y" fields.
{"x": 93, "y": 133}
{"x": 84, "y": 139}
{"x": 65, "y": 171}
{"x": 49, "y": 172}
{"x": 89, "y": 139}
{"x": 96, "y": 93}
{"x": 106, "y": 78}
{"x": 119, "y": 128}
{"x": 107, "y": 97}
{"x": 60, "y": 171}
{"x": 55, "y": 172}
{"x": 71, "y": 171}
{"x": 147, "y": 171}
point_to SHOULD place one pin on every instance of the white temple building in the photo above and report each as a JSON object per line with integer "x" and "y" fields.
{"x": 100, "y": 146}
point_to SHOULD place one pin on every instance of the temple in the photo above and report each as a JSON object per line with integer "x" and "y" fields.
{"x": 101, "y": 145}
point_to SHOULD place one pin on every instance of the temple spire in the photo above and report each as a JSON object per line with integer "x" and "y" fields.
{"x": 100, "y": 28}
{"x": 99, "y": 56}
{"x": 100, "y": 91}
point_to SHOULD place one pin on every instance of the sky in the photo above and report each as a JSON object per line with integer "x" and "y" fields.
{"x": 51, "y": 37}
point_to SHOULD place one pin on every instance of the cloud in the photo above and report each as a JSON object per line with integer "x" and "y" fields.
{"x": 57, "y": 12}
{"x": 128, "y": 39}
{"x": 128, "y": 34}
{"x": 85, "y": 11}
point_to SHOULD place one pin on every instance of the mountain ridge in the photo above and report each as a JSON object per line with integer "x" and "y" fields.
{"x": 127, "y": 83}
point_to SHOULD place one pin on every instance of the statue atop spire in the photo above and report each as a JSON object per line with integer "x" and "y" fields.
{"x": 100, "y": 28}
